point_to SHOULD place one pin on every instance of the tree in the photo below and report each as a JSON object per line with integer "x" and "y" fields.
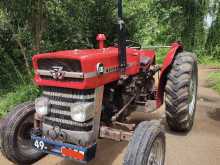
{"x": 213, "y": 40}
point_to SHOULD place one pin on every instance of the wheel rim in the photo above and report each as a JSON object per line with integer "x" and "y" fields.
{"x": 192, "y": 93}
{"x": 156, "y": 156}
{"x": 23, "y": 137}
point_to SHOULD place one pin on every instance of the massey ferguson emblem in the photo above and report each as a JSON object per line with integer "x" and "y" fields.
{"x": 57, "y": 72}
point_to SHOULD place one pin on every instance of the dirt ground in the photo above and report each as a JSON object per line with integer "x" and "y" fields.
{"x": 199, "y": 147}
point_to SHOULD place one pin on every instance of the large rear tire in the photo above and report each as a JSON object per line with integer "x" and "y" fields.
{"x": 147, "y": 146}
{"x": 16, "y": 143}
{"x": 181, "y": 92}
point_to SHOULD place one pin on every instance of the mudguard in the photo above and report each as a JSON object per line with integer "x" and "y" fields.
{"x": 167, "y": 63}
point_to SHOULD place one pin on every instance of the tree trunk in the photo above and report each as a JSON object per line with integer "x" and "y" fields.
{"x": 23, "y": 52}
{"x": 38, "y": 23}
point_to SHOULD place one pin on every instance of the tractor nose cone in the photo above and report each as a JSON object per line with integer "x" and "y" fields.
{"x": 101, "y": 38}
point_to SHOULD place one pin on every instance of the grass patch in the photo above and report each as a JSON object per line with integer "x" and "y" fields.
{"x": 214, "y": 81}
{"x": 20, "y": 95}
{"x": 208, "y": 60}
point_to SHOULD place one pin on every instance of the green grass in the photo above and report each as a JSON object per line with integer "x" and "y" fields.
{"x": 20, "y": 95}
{"x": 210, "y": 61}
{"x": 214, "y": 81}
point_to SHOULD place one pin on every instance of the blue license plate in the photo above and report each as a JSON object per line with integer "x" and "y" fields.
{"x": 79, "y": 153}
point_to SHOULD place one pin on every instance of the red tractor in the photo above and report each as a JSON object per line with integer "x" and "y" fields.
{"x": 86, "y": 95}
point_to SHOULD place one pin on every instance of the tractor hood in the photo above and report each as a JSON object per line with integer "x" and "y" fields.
{"x": 82, "y": 69}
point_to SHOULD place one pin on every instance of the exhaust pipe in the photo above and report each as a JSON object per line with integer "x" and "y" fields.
{"x": 121, "y": 38}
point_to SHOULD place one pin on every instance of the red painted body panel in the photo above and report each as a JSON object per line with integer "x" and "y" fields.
{"x": 149, "y": 53}
{"x": 175, "y": 48}
{"x": 89, "y": 59}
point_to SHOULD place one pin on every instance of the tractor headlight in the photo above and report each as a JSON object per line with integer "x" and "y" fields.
{"x": 82, "y": 112}
{"x": 42, "y": 106}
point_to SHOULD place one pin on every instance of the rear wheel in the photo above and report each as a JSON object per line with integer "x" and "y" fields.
{"x": 16, "y": 143}
{"x": 147, "y": 146}
{"x": 181, "y": 92}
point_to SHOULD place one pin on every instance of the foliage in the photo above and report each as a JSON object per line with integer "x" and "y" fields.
{"x": 20, "y": 95}
{"x": 209, "y": 61}
{"x": 76, "y": 26}
{"x": 214, "y": 81}
{"x": 213, "y": 40}
{"x": 149, "y": 21}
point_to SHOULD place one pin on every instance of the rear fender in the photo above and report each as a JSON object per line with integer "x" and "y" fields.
{"x": 167, "y": 63}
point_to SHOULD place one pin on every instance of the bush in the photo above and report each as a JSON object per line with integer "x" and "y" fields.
{"x": 20, "y": 95}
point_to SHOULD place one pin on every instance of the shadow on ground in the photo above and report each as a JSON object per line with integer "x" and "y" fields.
{"x": 214, "y": 114}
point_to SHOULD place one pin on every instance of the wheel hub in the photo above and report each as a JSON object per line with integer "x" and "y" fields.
{"x": 24, "y": 135}
{"x": 192, "y": 94}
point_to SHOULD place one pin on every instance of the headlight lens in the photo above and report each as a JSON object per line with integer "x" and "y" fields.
{"x": 42, "y": 106}
{"x": 82, "y": 112}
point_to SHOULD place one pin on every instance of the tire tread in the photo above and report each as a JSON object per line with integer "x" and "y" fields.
{"x": 177, "y": 93}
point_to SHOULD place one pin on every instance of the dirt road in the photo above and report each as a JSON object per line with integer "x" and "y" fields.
{"x": 200, "y": 147}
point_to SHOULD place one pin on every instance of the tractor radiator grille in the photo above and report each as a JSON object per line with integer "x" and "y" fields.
{"x": 67, "y": 65}
{"x": 60, "y": 100}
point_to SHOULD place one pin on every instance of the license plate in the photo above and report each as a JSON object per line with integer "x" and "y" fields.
{"x": 79, "y": 153}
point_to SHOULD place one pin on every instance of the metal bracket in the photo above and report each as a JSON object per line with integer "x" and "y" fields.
{"x": 115, "y": 134}
{"x": 118, "y": 114}
{"x": 98, "y": 105}
{"x": 131, "y": 127}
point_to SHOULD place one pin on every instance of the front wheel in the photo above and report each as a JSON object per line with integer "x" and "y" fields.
{"x": 147, "y": 146}
{"x": 16, "y": 143}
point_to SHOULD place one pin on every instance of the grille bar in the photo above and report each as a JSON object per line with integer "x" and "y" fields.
{"x": 69, "y": 122}
{"x": 70, "y": 96}
{"x": 59, "y": 107}
{"x": 69, "y": 91}
{"x": 61, "y": 116}
{"x": 66, "y": 74}
{"x": 66, "y": 101}
{"x": 68, "y": 127}
{"x": 61, "y": 112}
{"x": 62, "y": 103}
